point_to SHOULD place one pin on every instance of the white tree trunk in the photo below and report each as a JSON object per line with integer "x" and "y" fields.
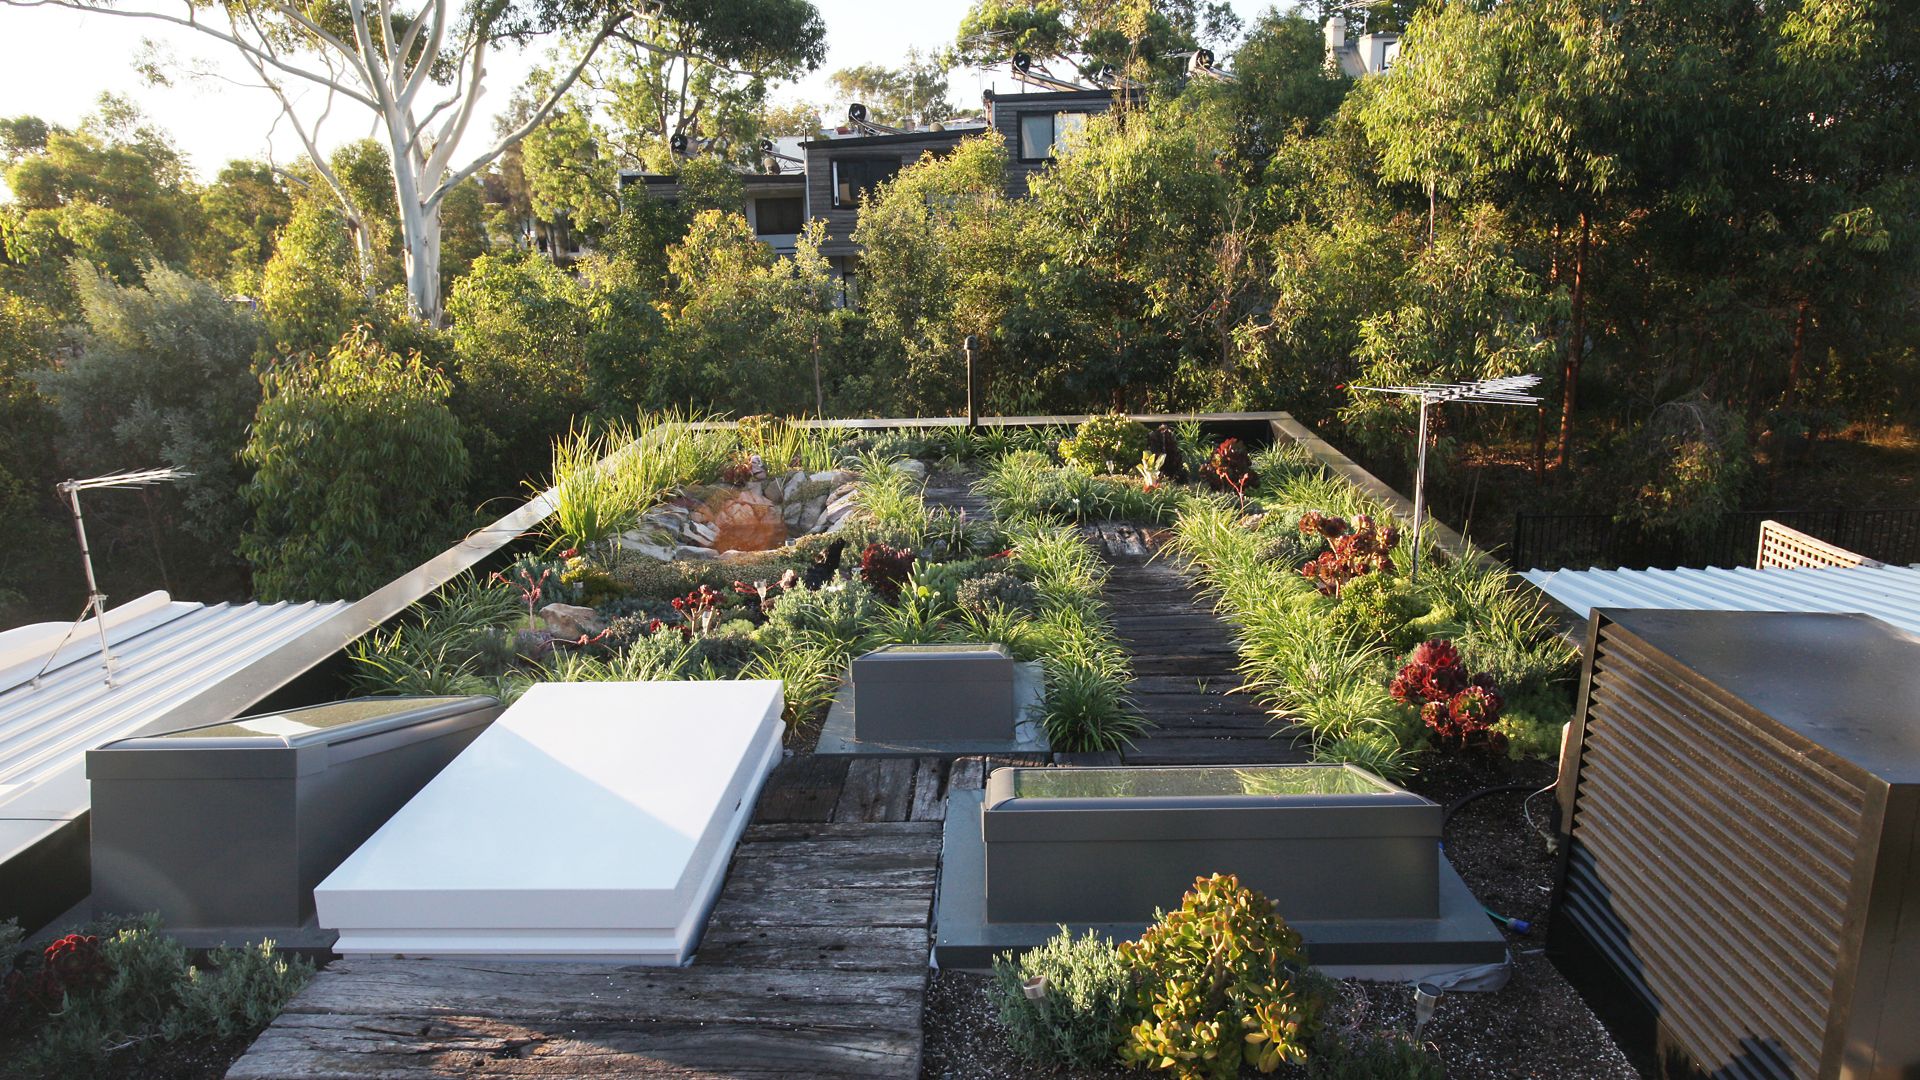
{"x": 423, "y": 262}
{"x": 420, "y": 228}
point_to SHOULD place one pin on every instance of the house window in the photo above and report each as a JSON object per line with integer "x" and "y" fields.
{"x": 778, "y": 217}
{"x": 1044, "y": 135}
{"x": 855, "y": 177}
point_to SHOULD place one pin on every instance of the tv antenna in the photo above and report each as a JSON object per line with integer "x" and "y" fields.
{"x": 1506, "y": 390}
{"x": 96, "y": 600}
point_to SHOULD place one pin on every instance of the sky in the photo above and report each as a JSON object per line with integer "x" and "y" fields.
{"x": 60, "y": 62}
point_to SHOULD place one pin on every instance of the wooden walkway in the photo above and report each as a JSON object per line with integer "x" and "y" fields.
{"x": 814, "y": 963}
{"x": 1183, "y": 665}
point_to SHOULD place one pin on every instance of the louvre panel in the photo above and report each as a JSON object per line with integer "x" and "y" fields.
{"x": 1730, "y": 925}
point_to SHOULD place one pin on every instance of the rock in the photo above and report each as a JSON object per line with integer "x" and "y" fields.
{"x": 833, "y": 478}
{"x": 686, "y": 552}
{"x": 701, "y": 531}
{"x": 912, "y": 467}
{"x": 572, "y": 620}
{"x": 790, "y": 484}
{"x": 841, "y": 505}
{"x": 651, "y": 551}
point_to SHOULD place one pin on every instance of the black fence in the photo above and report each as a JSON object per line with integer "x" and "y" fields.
{"x": 1555, "y": 541}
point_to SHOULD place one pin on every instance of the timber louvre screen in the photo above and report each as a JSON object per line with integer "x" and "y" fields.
{"x": 1725, "y": 866}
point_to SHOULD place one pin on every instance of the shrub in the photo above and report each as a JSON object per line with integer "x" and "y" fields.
{"x": 237, "y": 992}
{"x": 1361, "y": 1055}
{"x": 1230, "y": 469}
{"x": 520, "y": 374}
{"x": 885, "y": 570}
{"x": 1106, "y": 444}
{"x": 1377, "y": 608}
{"x": 1164, "y": 444}
{"x": 359, "y": 472}
{"x": 1459, "y": 710}
{"x": 1085, "y": 1006}
{"x": 1353, "y": 550}
{"x": 1220, "y": 981}
{"x": 995, "y": 589}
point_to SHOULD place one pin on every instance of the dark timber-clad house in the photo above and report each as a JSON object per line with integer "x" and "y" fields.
{"x": 776, "y": 203}
{"x": 841, "y": 169}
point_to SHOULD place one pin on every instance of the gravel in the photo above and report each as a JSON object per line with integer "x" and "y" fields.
{"x": 1537, "y": 1028}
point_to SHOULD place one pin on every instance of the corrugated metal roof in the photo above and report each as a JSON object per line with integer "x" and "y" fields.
{"x": 173, "y": 653}
{"x": 1889, "y": 593}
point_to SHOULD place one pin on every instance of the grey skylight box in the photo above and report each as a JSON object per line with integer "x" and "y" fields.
{"x": 1350, "y": 861}
{"x": 228, "y": 827}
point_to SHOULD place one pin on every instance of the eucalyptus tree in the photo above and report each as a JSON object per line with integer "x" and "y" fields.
{"x": 1134, "y": 36}
{"x": 421, "y": 67}
{"x": 700, "y": 72}
{"x": 913, "y": 93}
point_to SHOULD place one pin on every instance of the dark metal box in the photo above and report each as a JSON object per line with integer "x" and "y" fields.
{"x": 1740, "y": 821}
{"x": 230, "y": 826}
{"x": 934, "y": 693}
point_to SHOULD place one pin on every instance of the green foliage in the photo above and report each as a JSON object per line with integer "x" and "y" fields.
{"x": 359, "y": 471}
{"x": 164, "y": 377}
{"x": 28, "y": 469}
{"x": 1025, "y": 484}
{"x": 149, "y": 994}
{"x": 449, "y": 644}
{"x": 1106, "y": 444}
{"x": 1221, "y": 982}
{"x": 519, "y": 376}
{"x": 1085, "y": 1004}
{"x": 312, "y": 290}
{"x": 996, "y": 589}
{"x": 1367, "y": 1055}
{"x": 745, "y": 327}
{"x": 1324, "y": 664}
{"x": 244, "y": 208}
{"x": 1378, "y": 607}
{"x": 237, "y": 992}
{"x": 940, "y": 243}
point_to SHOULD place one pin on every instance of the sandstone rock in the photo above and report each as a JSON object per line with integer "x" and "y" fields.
{"x": 651, "y": 551}
{"x": 572, "y": 620}
{"x": 912, "y": 467}
{"x": 833, "y": 478}
{"x": 686, "y": 552}
{"x": 790, "y": 484}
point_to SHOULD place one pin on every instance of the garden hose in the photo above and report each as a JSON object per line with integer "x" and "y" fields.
{"x": 1519, "y": 926}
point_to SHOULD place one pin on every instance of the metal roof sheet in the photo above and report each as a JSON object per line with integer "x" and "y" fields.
{"x": 177, "y": 651}
{"x": 1889, "y": 593}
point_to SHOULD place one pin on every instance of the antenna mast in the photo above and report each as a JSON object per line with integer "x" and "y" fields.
{"x": 1507, "y": 390}
{"x": 96, "y": 600}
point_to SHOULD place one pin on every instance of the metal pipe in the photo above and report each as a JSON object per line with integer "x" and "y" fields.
{"x": 96, "y": 599}
{"x": 1419, "y": 491}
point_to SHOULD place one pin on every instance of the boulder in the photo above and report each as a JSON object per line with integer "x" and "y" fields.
{"x": 686, "y": 552}
{"x": 652, "y": 551}
{"x": 912, "y": 467}
{"x": 833, "y": 478}
{"x": 572, "y": 621}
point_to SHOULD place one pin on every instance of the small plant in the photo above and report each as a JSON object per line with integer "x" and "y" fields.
{"x": 531, "y": 582}
{"x": 1067, "y": 1002}
{"x": 1105, "y": 444}
{"x": 1164, "y": 444}
{"x": 1221, "y": 981}
{"x": 1377, "y": 607}
{"x": 994, "y": 589}
{"x": 1363, "y": 1055}
{"x": 885, "y": 569}
{"x": 72, "y": 965}
{"x": 1353, "y": 549}
{"x": 1230, "y": 469}
{"x": 1458, "y": 709}
{"x": 698, "y": 610}
{"x": 737, "y": 471}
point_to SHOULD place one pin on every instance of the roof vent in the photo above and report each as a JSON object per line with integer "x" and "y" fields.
{"x": 856, "y": 112}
